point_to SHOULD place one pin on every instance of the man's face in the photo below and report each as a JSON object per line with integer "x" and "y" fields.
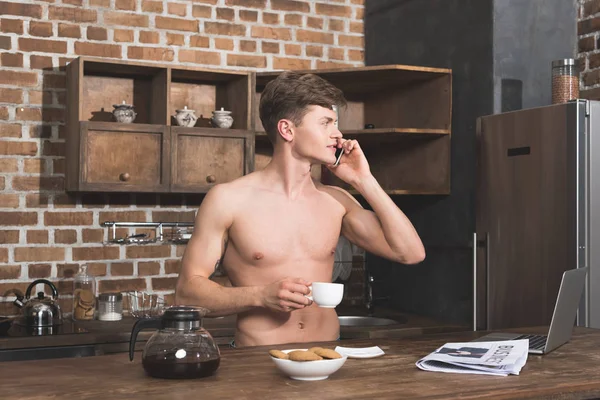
{"x": 316, "y": 137}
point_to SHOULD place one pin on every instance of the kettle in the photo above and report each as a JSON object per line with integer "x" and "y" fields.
{"x": 41, "y": 311}
{"x": 180, "y": 348}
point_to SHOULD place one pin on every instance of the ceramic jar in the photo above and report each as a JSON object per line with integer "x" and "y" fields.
{"x": 124, "y": 113}
{"x": 222, "y": 119}
{"x": 186, "y": 117}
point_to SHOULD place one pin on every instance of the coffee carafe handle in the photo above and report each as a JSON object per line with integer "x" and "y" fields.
{"x": 145, "y": 323}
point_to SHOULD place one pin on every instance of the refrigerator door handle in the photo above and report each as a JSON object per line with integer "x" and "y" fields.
{"x": 476, "y": 244}
{"x": 474, "y": 281}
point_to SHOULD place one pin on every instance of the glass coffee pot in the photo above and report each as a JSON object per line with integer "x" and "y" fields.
{"x": 181, "y": 348}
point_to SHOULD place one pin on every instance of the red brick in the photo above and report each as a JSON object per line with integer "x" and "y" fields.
{"x": 223, "y": 28}
{"x": 200, "y": 57}
{"x": 126, "y": 19}
{"x": 19, "y": 78}
{"x": 69, "y": 30}
{"x": 201, "y": 11}
{"x": 150, "y": 53}
{"x": 9, "y": 201}
{"x": 175, "y": 39}
{"x": 40, "y": 131}
{"x": 152, "y": 6}
{"x": 248, "y": 16}
{"x": 36, "y": 200}
{"x": 148, "y": 251}
{"x": 356, "y": 55}
{"x": 11, "y": 95}
{"x": 148, "y": 268}
{"x": 590, "y": 8}
{"x": 270, "y": 18}
{"x": 2, "y": 183}
{"x": 95, "y": 253}
{"x": 176, "y": 24}
{"x": 34, "y": 165}
{"x": 3, "y": 113}
{"x": 40, "y": 62}
{"x": 24, "y": 254}
{"x": 270, "y": 47}
{"x": 3, "y": 257}
{"x": 31, "y": 183}
{"x": 5, "y": 42}
{"x": 42, "y": 45}
{"x": 336, "y": 53}
{"x": 355, "y": 41}
{"x": 29, "y": 114}
{"x": 121, "y": 269}
{"x": 68, "y": 218}
{"x": 199, "y": 41}
{"x": 58, "y": 166}
{"x": 261, "y": 4}
{"x": 123, "y": 35}
{"x": 10, "y": 272}
{"x": 173, "y": 216}
{"x": 164, "y": 283}
{"x": 293, "y": 19}
{"x": 121, "y": 285}
{"x": 314, "y": 22}
{"x": 336, "y": 25}
{"x": 65, "y": 236}
{"x": 172, "y": 266}
{"x": 127, "y": 5}
{"x": 98, "y": 49}
{"x": 178, "y": 9}
{"x": 9, "y": 236}
{"x": 92, "y": 235}
{"x": 226, "y": 14}
{"x": 71, "y": 2}
{"x": 290, "y": 5}
{"x": 333, "y": 10}
{"x": 240, "y": 60}
{"x": 130, "y": 216}
{"x": 272, "y": 33}
{"x": 290, "y": 63}
{"x": 37, "y": 236}
{"x": 73, "y": 14}
{"x": 23, "y": 10}
{"x": 359, "y": 14}
{"x": 357, "y": 27}
{"x": 314, "y": 37}
{"x": 293, "y": 49}
{"x": 100, "y": 3}
{"x": 11, "y": 25}
{"x": 96, "y": 33}
{"x": 332, "y": 64}
{"x": 149, "y": 37}
{"x": 37, "y": 271}
{"x": 213, "y": 2}
{"x": 223, "y": 44}
{"x": 37, "y": 28}
{"x": 18, "y": 148}
{"x": 248, "y": 46}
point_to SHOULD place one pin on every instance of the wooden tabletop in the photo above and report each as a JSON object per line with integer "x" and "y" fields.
{"x": 570, "y": 371}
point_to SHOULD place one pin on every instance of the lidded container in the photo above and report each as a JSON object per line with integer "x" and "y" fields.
{"x": 565, "y": 80}
{"x": 110, "y": 306}
{"x": 84, "y": 295}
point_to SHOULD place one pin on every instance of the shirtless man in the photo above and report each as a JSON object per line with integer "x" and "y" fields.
{"x": 275, "y": 231}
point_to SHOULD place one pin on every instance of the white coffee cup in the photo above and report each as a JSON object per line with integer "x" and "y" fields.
{"x": 326, "y": 295}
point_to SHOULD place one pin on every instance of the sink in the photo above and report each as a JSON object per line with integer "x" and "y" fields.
{"x": 349, "y": 320}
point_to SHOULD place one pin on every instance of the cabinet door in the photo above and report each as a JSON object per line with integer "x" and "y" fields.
{"x": 203, "y": 158}
{"x": 124, "y": 157}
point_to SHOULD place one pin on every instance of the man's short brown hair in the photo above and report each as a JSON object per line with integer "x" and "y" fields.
{"x": 289, "y": 96}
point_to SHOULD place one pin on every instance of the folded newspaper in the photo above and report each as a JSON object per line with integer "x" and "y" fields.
{"x": 489, "y": 358}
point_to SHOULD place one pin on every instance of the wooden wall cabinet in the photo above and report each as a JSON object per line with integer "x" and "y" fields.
{"x": 410, "y": 107}
{"x": 152, "y": 154}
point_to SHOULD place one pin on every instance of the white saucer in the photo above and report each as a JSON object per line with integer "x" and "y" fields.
{"x": 360, "y": 352}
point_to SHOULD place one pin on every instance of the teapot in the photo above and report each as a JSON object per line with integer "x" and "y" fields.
{"x": 124, "y": 113}
{"x": 186, "y": 117}
{"x": 222, "y": 119}
{"x": 41, "y": 311}
{"x": 180, "y": 348}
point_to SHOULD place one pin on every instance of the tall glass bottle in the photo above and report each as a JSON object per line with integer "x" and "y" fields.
{"x": 84, "y": 295}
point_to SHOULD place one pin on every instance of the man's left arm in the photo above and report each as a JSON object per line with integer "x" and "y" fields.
{"x": 385, "y": 231}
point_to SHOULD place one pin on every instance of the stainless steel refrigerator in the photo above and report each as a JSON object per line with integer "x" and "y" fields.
{"x": 537, "y": 213}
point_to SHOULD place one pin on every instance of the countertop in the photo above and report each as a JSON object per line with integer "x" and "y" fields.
{"x": 570, "y": 371}
{"x": 114, "y": 336}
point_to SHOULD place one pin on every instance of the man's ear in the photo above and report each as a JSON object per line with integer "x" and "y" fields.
{"x": 285, "y": 127}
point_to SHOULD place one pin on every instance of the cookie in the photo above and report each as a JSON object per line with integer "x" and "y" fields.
{"x": 301, "y": 355}
{"x": 279, "y": 354}
{"x": 327, "y": 353}
{"x": 313, "y": 349}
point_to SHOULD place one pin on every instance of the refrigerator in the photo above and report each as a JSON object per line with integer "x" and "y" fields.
{"x": 537, "y": 213}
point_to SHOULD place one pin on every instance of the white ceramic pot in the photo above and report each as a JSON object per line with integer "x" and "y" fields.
{"x": 222, "y": 119}
{"x": 124, "y": 113}
{"x": 186, "y": 117}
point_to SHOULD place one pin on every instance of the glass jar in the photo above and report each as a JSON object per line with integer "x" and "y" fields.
{"x": 110, "y": 306}
{"x": 84, "y": 296}
{"x": 565, "y": 81}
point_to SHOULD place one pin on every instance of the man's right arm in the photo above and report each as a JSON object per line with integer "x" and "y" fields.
{"x": 205, "y": 249}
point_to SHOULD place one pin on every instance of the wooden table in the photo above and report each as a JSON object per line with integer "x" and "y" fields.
{"x": 572, "y": 371}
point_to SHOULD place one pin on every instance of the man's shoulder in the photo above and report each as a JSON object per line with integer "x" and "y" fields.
{"x": 234, "y": 190}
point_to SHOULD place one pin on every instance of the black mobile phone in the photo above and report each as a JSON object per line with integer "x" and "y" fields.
{"x": 338, "y": 156}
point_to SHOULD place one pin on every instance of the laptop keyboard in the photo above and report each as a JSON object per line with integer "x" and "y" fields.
{"x": 537, "y": 342}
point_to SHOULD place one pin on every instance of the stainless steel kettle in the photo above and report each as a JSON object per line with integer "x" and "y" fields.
{"x": 41, "y": 311}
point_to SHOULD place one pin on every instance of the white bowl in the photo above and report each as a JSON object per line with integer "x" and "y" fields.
{"x": 309, "y": 370}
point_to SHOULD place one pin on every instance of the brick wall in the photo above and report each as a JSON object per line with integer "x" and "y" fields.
{"x": 588, "y": 29}
{"x": 46, "y": 233}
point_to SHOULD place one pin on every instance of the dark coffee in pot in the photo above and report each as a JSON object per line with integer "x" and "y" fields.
{"x": 179, "y": 369}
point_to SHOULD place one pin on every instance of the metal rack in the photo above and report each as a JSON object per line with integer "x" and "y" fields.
{"x": 159, "y": 235}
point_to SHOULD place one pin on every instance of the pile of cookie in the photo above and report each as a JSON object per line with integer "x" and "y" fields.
{"x": 312, "y": 354}
{"x": 84, "y": 304}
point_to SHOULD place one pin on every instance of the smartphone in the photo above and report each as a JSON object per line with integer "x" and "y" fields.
{"x": 338, "y": 156}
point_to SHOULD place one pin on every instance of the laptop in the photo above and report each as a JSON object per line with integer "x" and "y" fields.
{"x": 563, "y": 318}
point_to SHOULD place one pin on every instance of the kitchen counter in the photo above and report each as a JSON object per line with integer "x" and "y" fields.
{"x": 113, "y": 337}
{"x": 568, "y": 372}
